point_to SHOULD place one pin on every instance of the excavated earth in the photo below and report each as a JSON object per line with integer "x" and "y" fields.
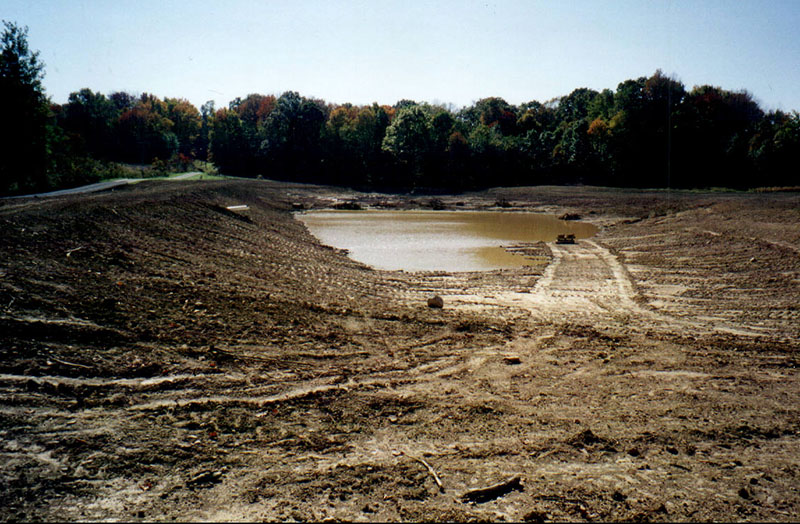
{"x": 165, "y": 358}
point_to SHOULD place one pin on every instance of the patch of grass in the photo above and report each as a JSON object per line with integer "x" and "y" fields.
{"x": 203, "y": 171}
{"x": 202, "y": 176}
{"x": 160, "y": 170}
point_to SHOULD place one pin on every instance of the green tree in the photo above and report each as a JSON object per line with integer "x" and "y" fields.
{"x": 442, "y": 125}
{"x": 253, "y": 112}
{"x": 571, "y": 152}
{"x": 291, "y": 137}
{"x": 714, "y": 128}
{"x": 25, "y": 150}
{"x": 353, "y": 137}
{"x": 641, "y": 148}
{"x": 458, "y": 174}
{"x": 90, "y": 120}
{"x": 404, "y": 103}
{"x": 775, "y": 149}
{"x": 227, "y": 143}
{"x": 204, "y": 137}
{"x": 575, "y": 106}
{"x": 122, "y": 101}
{"x": 602, "y": 105}
{"x": 408, "y": 139}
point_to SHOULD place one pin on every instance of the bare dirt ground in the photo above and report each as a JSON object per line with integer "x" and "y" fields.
{"x": 164, "y": 358}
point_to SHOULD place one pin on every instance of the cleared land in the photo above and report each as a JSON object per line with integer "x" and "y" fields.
{"x": 166, "y": 358}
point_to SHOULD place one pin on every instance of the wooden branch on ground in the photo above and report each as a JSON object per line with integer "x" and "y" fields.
{"x": 492, "y": 492}
{"x": 430, "y": 469}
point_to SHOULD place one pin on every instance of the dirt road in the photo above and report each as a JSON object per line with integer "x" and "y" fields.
{"x": 585, "y": 283}
{"x": 98, "y": 186}
{"x": 167, "y": 358}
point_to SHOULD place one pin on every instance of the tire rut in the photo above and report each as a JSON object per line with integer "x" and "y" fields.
{"x": 586, "y": 283}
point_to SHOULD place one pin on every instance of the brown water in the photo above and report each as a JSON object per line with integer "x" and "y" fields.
{"x": 437, "y": 240}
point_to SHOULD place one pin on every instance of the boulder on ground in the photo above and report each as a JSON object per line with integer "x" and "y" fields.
{"x": 436, "y": 302}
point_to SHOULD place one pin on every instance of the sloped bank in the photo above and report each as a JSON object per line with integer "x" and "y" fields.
{"x": 166, "y": 357}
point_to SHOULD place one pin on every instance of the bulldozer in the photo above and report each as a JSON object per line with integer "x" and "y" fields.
{"x": 565, "y": 239}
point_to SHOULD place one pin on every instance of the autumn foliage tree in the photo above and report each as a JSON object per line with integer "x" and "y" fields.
{"x": 648, "y": 132}
{"x": 186, "y": 124}
{"x": 146, "y": 131}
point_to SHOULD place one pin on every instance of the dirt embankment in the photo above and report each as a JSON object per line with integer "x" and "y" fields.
{"x": 167, "y": 358}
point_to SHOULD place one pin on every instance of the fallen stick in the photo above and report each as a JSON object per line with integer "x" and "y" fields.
{"x": 430, "y": 469}
{"x": 70, "y": 363}
{"x": 492, "y": 492}
{"x": 71, "y": 251}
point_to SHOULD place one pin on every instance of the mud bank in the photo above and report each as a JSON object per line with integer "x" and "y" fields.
{"x": 164, "y": 357}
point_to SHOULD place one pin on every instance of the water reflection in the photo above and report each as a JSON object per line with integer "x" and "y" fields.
{"x": 437, "y": 240}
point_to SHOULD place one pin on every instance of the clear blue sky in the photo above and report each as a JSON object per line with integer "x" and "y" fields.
{"x": 437, "y": 51}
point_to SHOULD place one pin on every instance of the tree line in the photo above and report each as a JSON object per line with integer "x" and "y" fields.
{"x": 649, "y": 132}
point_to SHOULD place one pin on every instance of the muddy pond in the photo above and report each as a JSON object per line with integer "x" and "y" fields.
{"x": 437, "y": 240}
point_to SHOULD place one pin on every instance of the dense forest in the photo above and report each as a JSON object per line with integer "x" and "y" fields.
{"x": 649, "y": 132}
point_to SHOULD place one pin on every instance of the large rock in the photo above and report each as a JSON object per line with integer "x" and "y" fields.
{"x": 436, "y": 301}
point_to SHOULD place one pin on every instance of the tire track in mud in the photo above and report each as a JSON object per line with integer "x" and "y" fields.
{"x": 586, "y": 283}
{"x": 279, "y": 393}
